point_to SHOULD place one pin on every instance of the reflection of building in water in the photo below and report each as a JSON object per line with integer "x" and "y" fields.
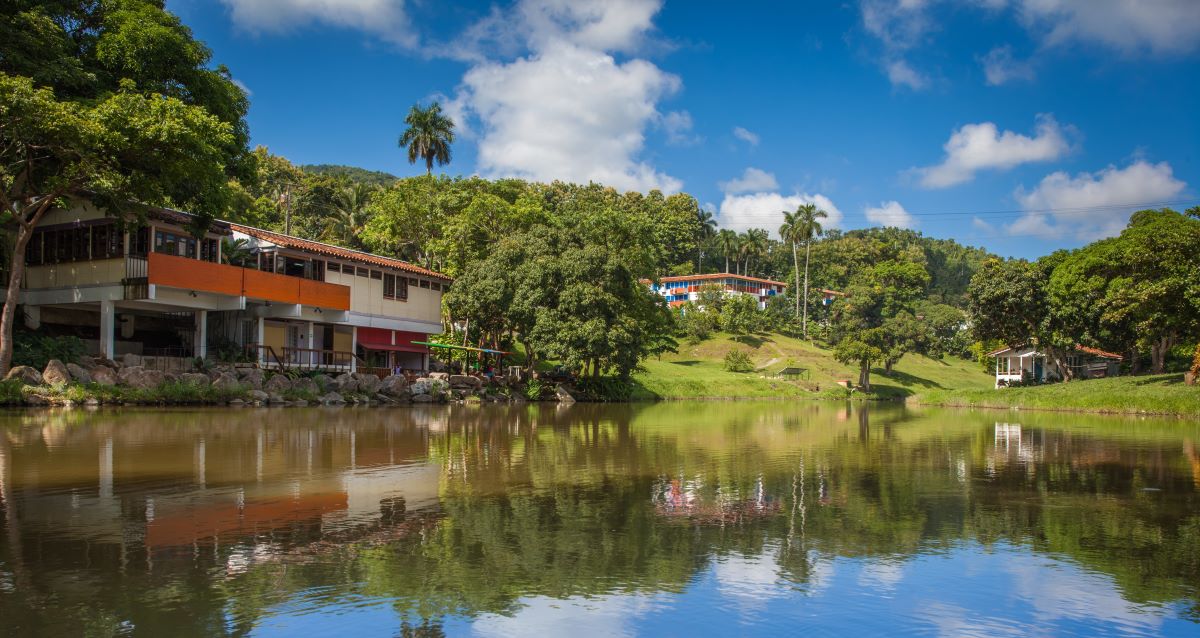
{"x": 1012, "y": 445}
{"x": 694, "y": 500}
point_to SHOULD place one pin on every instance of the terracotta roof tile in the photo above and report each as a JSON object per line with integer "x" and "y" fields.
{"x": 721, "y": 275}
{"x": 329, "y": 250}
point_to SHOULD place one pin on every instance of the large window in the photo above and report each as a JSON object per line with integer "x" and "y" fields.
{"x": 107, "y": 241}
{"x": 395, "y": 287}
{"x": 208, "y": 249}
{"x": 170, "y": 243}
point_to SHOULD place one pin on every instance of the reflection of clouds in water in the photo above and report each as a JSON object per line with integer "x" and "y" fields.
{"x": 952, "y": 620}
{"x": 1059, "y": 590}
{"x": 881, "y": 574}
{"x": 750, "y": 579}
{"x": 600, "y": 616}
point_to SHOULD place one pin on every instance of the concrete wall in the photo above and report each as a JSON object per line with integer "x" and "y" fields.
{"x": 76, "y": 273}
{"x": 366, "y": 296}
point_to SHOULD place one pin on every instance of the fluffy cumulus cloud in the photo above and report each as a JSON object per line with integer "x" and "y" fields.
{"x": 765, "y": 210}
{"x": 901, "y": 73}
{"x": 567, "y": 109}
{"x": 890, "y": 214}
{"x": 1094, "y": 205}
{"x": 976, "y": 147}
{"x": 1000, "y": 66}
{"x": 678, "y": 127}
{"x": 745, "y": 135}
{"x": 898, "y": 25}
{"x": 753, "y": 180}
{"x": 1158, "y": 27}
{"x": 385, "y": 19}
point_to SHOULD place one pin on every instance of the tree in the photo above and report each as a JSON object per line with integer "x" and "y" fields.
{"x": 87, "y": 115}
{"x": 708, "y": 230}
{"x": 428, "y": 136}
{"x": 729, "y": 244}
{"x": 235, "y": 252}
{"x": 803, "y": 225}
{"x": 874, "y": 322}
{"x": 349, "y": 212}
{"x": 753, "y": 244}
{"x": 739, "y": 317}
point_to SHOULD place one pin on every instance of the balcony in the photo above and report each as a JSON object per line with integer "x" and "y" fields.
{"x": 203, "y": 276}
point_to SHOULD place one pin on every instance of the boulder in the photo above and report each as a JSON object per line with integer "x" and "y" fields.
{"x": 253, "y": 378}
{"x": 331, "y": 398}
{"x": 130, "y": 360}
{"x": 304, "y": 384}
{"x": 127, "y": 373}
{"x": 423, "y": 398}
{"x": 345, "y": 382}
{"x": 104, "y": 375}
{"x": 368, "y": 383}
{"x": 464, "y": 381}
{"x": 236, "y": 403}
{"x": 444, "y": 376}
{"x": 78, "y": 373}
{"x": 56, "y": 373}
{"x": 277, "y": 384}
{"x": 144, "y": 379}
{"x": 198, "y": 379}
{"x": 395, "y": 385}
{"x": 226, "y": 381}
{"x": 276, "y": 398}
{"x": 25, "y": 374}
{"x": 259, "y": 396}
{"x": 564, "y": 395}
{"x": 324, "y": 382}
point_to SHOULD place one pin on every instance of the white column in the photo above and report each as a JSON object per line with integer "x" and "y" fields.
{"x": 262, "y": 332}
{"x": 353, "y": 348}
{"x": 108, "y": 324}
{"x": 201, "y": 340}
{"x": 311, "y": 345}
{"x": 33, "y": 317}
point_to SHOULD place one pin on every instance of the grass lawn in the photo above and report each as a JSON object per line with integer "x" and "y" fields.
{"x": 1156, "y": 394}
{"x": 697, "y": 372}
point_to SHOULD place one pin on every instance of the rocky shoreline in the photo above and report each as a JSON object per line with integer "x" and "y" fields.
{"x": 99, "y": 381}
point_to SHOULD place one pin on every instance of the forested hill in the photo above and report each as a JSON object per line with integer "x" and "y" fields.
{"x": 352, "y": 173}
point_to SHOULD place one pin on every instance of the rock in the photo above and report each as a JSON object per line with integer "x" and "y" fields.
{"x": 345, "y": 382}
{"x": 25, "y": 374}
{"x": 253, "y": 378}
{"x": 464, "y": 381}
{"x": 91, "y": 401}
{"x": 78, "y": 373}
{"x": 277, "y": 384}
{"x": 564, "y": 396}
{"x": 444, "y": 376}
{"x": 331, "y": 398}
{"x": 130, "y": 360}
{"x": 395, "y": 385}
{"x": 197, "y": 379}
{"x": 324, "y": 382}
{"x": 106, "y": 362}
{"x": 276, "y": 398}
{"x": 423, "y": 398}
{"x": 104, "y": 375}
{"x": 236, "y": 403}
{"x": 149, "y": 379}
{"x": 226, "y": 381}
{"x": 304, "y": 384}
{"x": 56, "y": 374}
{"x": 368, "y": 383}
{"x": 300, "y": 403}
{"x": 33, "y": 399}
{"x": 259, "y": 395}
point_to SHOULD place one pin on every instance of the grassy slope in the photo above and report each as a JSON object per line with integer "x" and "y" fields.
{"x": 696, "y": 371}
{"x": 1159, "y": 394}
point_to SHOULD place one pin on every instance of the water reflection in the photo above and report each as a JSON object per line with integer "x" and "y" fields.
{"x": 655, "y": 519}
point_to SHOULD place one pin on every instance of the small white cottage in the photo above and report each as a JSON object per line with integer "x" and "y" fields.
{"x": 1014, "y": 365}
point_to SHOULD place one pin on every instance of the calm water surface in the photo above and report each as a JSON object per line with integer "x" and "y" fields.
{"x": 686, "y": 519}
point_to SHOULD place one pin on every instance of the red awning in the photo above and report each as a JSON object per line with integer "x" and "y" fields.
{"x": 394, "y": 348}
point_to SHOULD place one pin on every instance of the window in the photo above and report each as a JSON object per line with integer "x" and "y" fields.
{"x": 412, "y": 281}
{"x": 389, "y": 286}
{"x": 170, "y": 243}
{"x": 266, "y": 262}
{"x": 425, "y": 283}
{"x": 208, "y": 249}
{"x": 362, "y": 272}
{"x": 402, "y": 288}
{"x": 107, "y": 241}
{"x": 33, "y": 252}
{"x": 334, "y": 267}
{"x": 436, "y": 286}
{"x": 139, "y": 242}
{"x": 375, "y": 274}
{"x": 318, "y": 270}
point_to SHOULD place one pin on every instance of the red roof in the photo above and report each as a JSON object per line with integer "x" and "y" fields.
{"x": 1096, "y": 352}
{"x": 329, "y": 250}
{"x": 724, "y": 275}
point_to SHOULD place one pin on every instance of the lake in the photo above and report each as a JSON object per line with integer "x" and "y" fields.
{"x": 669, "y": 519}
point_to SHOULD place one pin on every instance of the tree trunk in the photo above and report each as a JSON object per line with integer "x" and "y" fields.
{"x": 887, "y": 366}
{"x": 807, "y": 254}
{"x": 1158, "y": 353}
{"x": 1060, "y": 361}
{"x": 1135, "y": 361}
{"x": 12, "y": 296}
{"x": 864, "y": 375}
{"x": 727, "y": 264}
{"x": 796, "y": 267}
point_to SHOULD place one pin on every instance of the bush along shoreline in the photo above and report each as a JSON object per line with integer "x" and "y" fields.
{"x": 94, "y": 381}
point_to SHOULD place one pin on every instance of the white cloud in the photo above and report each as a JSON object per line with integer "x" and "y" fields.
{"x": 1094, "y": 205}
{"x": 1158, "y": 27}
{"x": 976, "y": 147}
{"x": 765, "y": 210}
{"x": 385, "y": 19}
{"x": 753, "y": 180}
{"x": 901, "y": 73}
{"x": 1000, "y": 67}
{"x": 567, "y": 110}
{"x": 745, "y": 136}
{"x": 678, "y": 127}
{"x": 983, "y": 226}
{"x": 890, "y": 214}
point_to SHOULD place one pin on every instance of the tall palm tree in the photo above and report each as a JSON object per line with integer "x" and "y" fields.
{"x": 707, "y": 230}
{"x": 754, "y": 245}
{"x": 807, "y": 221}
{"x": 728, "y": 243}
{"x": 349, "y": 211}
{"x": 429, "y": 136}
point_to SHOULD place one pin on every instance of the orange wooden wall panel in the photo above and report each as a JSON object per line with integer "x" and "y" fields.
{"x": 324, "y": 295}
{"x": 193, "y": 274}
{"x": 273, "y": 287}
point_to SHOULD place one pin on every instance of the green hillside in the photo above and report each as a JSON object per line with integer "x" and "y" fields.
{"x": 697, "y": 371}
{"x": 1154, "y": 394}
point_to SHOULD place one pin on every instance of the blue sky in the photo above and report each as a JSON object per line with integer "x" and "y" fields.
{"x": 1020, "y": 125}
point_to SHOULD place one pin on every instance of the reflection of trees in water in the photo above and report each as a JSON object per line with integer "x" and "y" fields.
{"x": 592, "y": 500}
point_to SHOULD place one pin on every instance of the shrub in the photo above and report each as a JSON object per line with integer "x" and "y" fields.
{"x": 604, "y": 389}
{"x": 534, "y": 389}
{"x": 33, "y": 349}
{"x": 10, "y": 393}
{"x": 738, "y": 361}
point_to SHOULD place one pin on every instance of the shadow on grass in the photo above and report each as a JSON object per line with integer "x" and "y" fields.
{"x": 686, "y": 363}
{"x": 1158, "y": 379}
{"x": 907, "y": 379}
{"x": 754, "y": 341}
